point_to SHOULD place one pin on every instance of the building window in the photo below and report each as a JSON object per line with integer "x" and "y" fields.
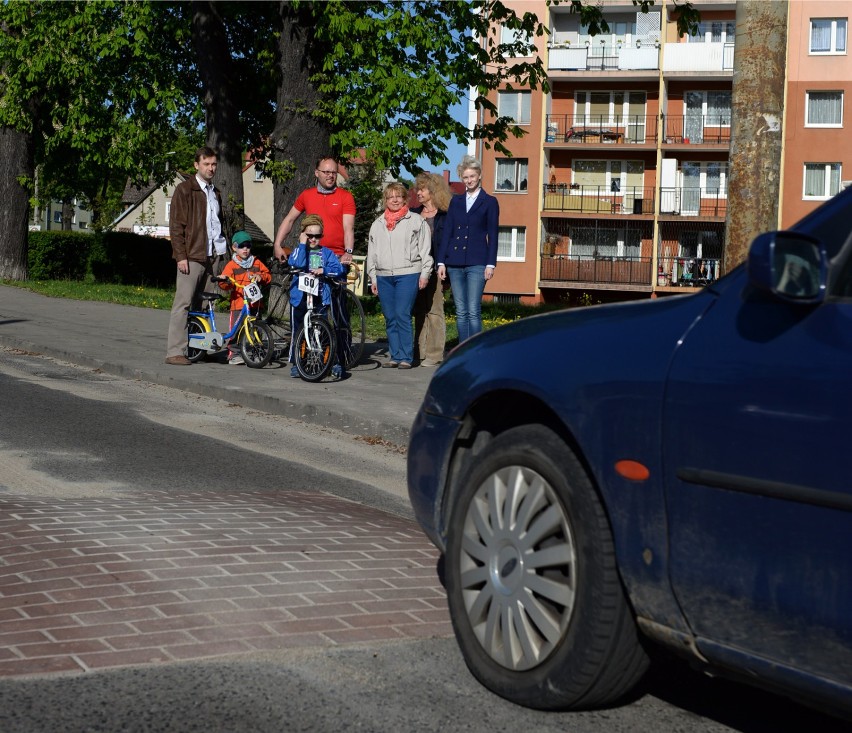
{"x": 511, "y": 36}
{"x": 828, "y": 35}
{"x": 512, "y": 244}
{"x": 600, "y": 242}
{"x": 168, "y": 210}
{"x": 258, "y": 174}
{"x": 57, "y": 217}
{"x": 511, "y": 175}
{"x": 84, "y": 225}
{"x": 515, "y": 105}
{"x": 824, "y": 109}
{"x": 822, "y": 180}
{"x": 714, "y": 31}
{"x": 610, "y": 108}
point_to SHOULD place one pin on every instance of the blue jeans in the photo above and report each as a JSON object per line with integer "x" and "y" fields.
{"x": 396, "y": 295}
{"x": 468, "y": 284}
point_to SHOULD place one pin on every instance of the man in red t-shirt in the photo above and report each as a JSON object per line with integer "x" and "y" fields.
{"x": 335, "y": 205}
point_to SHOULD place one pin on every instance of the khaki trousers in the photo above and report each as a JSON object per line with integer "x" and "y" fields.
{"x": 430, "y": 325}
{"x": 188, "y": 289}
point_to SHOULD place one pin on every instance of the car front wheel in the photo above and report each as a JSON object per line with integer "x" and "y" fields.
{"x": 535, "y": 598}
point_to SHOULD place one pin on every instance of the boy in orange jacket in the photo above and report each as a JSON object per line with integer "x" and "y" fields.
{"x": 244, "y": 268}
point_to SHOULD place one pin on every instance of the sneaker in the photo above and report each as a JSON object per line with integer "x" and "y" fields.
{"x": 404, "y": 365}
{"x": 294, "y": 372}
{"x": 429, "y": 362}
{"x": 390, "y": 365}
{"x": 336, "y": 371}
{"x": 236, "y": 360}
{"x": 178, "y": 361}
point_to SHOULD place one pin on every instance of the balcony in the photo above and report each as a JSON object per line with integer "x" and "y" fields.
{"x": 597, "y": 57}
{"x": 693, "y": 201}
{"x": 634, "y": 271}
{"x": 698, "y": 130}
{"x": 698, "y": 57}
{"x": 597, "y": 129}
{"x": 687, "y": 272}
{"x": 609, "y": 199}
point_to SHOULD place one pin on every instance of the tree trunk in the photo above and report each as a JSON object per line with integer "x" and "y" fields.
{"x": 220, "y": 98}
{"x": 298, "y": 138}
{"x": 67, "y": 215}
{"x": 17, "y": 156}
{"x": 757, "y": 116}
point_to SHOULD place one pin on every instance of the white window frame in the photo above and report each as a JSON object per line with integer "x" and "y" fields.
{"x": 619, "y": 242}
{"x": 258, "y": 174}
{"x": 512, "y": 103}
{"x": 516, "y": 179}
{"x": 516, "y": 234}
{"x": 724, "y": 29}
{"x": 512, "y": 35}
{"x": 702, "y": 166}
{"x": 836, "y": 24}
{"x": 583, "y": 106}
{"x": 827, "y": 193}
{"x": 168, "y": 210}
{"x": 808, "y": 108}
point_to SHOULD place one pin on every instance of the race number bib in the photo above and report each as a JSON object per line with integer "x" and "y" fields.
{"x": 309, "y": 283}
{"x": 252, "y": 292}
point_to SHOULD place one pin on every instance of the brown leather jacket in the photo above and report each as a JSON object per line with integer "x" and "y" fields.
{"x": 188, "y": 221}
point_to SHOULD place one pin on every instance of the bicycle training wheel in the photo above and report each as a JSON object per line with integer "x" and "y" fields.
{"x": 195, "y": 325}
{"x": 352, "y": 336}
{"x": 257, "y": 343}
{"x": 314, "y": 352}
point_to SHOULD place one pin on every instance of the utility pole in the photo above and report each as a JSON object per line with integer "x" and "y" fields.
{"x": 754, "y": 182}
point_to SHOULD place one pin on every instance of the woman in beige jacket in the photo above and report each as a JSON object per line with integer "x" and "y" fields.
{"x": 399, "y": 263}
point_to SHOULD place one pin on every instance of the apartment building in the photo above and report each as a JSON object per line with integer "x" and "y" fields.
{"x": 618, "y": 191}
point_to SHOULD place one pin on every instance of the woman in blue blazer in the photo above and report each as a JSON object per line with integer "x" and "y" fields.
{"x": 467, "y": 252}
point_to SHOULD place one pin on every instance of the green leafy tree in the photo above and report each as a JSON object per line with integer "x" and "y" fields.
{"x": 84, "y": 83}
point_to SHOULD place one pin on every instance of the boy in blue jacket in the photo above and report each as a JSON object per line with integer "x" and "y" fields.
{"x": 311, "y": 256}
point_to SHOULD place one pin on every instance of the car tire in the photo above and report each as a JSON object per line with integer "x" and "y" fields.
{"x": 535, "y": 598}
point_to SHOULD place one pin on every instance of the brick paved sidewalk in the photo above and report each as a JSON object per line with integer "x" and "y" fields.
{"x": 166, "y": 576}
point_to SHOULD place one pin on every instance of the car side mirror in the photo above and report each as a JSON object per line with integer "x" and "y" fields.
{"x": 789, "y": 265}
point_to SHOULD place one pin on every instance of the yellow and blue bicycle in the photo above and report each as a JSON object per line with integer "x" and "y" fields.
{"x": 253, "y": 337}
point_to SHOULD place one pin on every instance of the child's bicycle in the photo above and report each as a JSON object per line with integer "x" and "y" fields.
{"x": 351, "y": 325}
{"x": 253, "y": 336}
{"x": 314, "y": 345}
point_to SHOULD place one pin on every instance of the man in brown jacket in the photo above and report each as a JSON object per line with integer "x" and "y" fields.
{"x": 198, "y": 246}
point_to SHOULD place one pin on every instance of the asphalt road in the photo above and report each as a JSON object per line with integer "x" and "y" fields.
{"x": 77, "y": 445}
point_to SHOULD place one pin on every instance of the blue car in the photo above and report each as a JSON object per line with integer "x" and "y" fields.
{"x": 669, "y": 472}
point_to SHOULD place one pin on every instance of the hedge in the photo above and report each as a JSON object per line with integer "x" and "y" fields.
{"x": 109, "y": 257}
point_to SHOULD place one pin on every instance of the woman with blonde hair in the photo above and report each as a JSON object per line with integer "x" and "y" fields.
{"x": 399, "y": 263}
{"x": 430, "y": 325}
{"x": 467, "y": 252}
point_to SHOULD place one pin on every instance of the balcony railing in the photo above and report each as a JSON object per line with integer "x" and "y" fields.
{"x": 597, "y": 57}
{"x": 583, "y": 268}
{"x": 599, "y": 199}
{"x": 698, "y": 57}
{"x": 687, "y": 272}
{"x": 698, "y": 129}
{"x": 693, "y": 201}
{"x": 579, "y": 129}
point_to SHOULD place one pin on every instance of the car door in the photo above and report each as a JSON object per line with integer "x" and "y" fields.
{"x": 757, "y": 452}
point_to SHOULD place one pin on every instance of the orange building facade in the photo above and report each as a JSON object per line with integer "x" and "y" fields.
{"x": 618, "y": 189}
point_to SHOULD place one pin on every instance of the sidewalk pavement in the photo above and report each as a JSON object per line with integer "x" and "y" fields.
{"x": 130, "y": 342}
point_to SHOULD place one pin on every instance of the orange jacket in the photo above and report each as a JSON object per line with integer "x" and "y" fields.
{"x": 243, "y": 277}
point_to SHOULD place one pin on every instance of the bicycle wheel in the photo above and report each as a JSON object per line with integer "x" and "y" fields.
{"x": 257, "y": 343}
{"x": 314, "y": 352}
{"x": 195, "y": 325}
{"x": 352, "y": 331}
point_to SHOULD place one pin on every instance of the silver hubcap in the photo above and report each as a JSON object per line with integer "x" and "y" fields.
{"x": 518, "y": 567}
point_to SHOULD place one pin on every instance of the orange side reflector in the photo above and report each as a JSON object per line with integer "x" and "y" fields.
{"x": 632, "y": 470}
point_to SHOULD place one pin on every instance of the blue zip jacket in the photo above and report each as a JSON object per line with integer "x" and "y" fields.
{"x": 330, "y": 266}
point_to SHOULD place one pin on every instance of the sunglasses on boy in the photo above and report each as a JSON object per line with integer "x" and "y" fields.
{"x": 314, "y": 236}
